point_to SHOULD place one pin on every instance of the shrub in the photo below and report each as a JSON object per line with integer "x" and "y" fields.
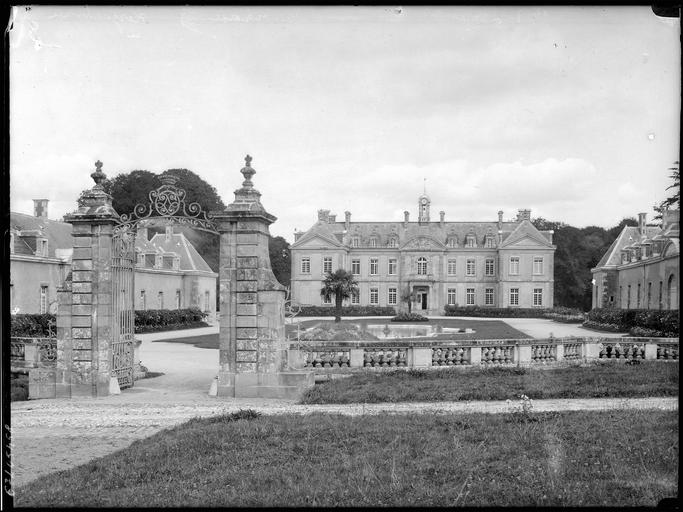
{"x": 409, "y": 317}
{"x": 32, "y": 325}
{"x": 161, "y": 319}
{"x": 19, "y": 387}
{"x": 664, "y": 322}
{"x": 347, "y": 311}
{"x": 562, "y": 314}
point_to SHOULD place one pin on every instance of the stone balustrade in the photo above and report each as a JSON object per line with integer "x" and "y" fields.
{"x": 26, "y": 353}
{"x": 348, "y": 355}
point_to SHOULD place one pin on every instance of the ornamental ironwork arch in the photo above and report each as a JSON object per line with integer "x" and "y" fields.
{"x": 168, "y": 202}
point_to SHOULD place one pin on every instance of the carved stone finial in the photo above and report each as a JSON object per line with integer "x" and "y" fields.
{"x": 98, "y": 176}
{"x": 247, "y": 172}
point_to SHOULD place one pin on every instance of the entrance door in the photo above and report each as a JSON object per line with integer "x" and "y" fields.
{"x": 424, "y": 300}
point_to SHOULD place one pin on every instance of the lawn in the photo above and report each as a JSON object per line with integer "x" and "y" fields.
{"x": 615, "y": 458}
{"x": 600, "y": 379}
{"x": 484, "y": 330}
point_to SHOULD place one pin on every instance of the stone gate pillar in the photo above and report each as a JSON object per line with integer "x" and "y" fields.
{"x": 253, "y": 360}
{"x": 85, "y": 350}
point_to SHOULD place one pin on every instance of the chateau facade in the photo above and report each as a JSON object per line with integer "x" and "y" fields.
{"x": 429, "y": 263}
{"x": 641, "y": 268}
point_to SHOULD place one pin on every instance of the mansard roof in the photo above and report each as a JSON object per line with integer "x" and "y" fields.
{"x": 58, "y": 233}
{"x": 179, "y": 245}
{"x": 322, "y": 230}
{"x": 629, "y": 236}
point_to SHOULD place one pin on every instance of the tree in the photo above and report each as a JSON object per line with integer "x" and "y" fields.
{"x": 408, "y": 297}
{"x": 674, "y": 200}
{"x": 342, "y": 285}
{"x": 280, "y": 261}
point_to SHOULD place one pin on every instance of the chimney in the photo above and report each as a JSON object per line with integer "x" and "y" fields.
{"x": 297, "y": 235}
{"x": 323, "y": 215}
{"x": 500, "y": 220}
{"x": 40, "y": 208}
{"x": 442, "y": 217}
{"x": 523, "y": 215}
{"x": 332, "y": 218}
{"x": 641, "y": 223}
{"x": 142, "y": 233}
{"x": 550, "y": 235}
{"x": 169, "y": 232}
{"x": 347, "y": 220}
{"x": 406, "y": 216}
{"x": 670, "y": 217}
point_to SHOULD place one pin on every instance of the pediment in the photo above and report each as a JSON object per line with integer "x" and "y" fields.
{"x": 316, "y": 241}
{"x": 423, "y": 243}
{"x": 526, "y": 241}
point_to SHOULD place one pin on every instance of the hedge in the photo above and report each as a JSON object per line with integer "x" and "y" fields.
{"x": 32, "y": 325}
{"x": 168, "y": 319}
{"x": 347, "y": 311}
{"x": 560, "y": 313}
{"x": 652, "y": 321}
{"x": 409, "y": 317}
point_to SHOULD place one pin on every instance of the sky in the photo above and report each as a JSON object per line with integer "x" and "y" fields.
{"x": 572, "y": 112}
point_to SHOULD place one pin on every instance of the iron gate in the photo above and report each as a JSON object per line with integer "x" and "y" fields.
{"x": 123, "y": 314}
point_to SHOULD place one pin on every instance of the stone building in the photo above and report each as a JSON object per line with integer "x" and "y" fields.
{"x": 431, "y": 263}
{"x": 169, "y": 272}
{"x": 640, "y": 270}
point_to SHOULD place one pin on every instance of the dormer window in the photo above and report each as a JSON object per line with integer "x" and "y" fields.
{"x": 489, "y": 243}
{"x": 373, "y": 241}
{"x": 624, "y": 257}
{"x": 43, "y": 248}
{"x": 355, "y": 241}
{"x": 471, "y": 241}
{"x": 452, "y": 242}
{"x": 141, "y": 259}
{"x": 393, "y": 242}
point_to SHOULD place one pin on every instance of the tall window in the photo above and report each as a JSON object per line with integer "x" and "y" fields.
{"x": 207, "y": 305}
{"x": 470, "y": 267}
{"x": 355, "y": 267}
{"x": 374, "y": 266}
{"x": 305, "y": 265}
{"x": 514, "y": 265}
{"x": 355, "y": 297}
{"x": 538, "y": 265}
{"x": 143, "y": 300}
{"x": 451, "y": 297}
{"x": 488, "y": 297}
{"x": 538, "y": 296}
{"x": 451, "y": 267}
{"x": 489, "y": 267}
{"x": 422, "y": 265}
{"x": 392, "y": 297}
{"x": 160, "y": 300}
{"x": 355, "y": 241}
{"x": 621, "y": 296}
{"x": 628, "y": 297}
{"x": 392, "y": 266}
{"x": 374, "y": 295}
{"x": 327, "y": 264}
{"x": 514, "y": 296}
{"x": 43, "y": 299}
{"x": 661, "y": 293}
{"x": 327, "y": 298}
{"x": 638, "y": 296}
{"x": 470, "y": 297}
{"x": 470, "y": 241}
{"x": 649, "y": 294}
{"x": 177, "y": 299}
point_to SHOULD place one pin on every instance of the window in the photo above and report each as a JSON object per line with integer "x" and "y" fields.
{"x": 649, "y": 294}
{"x": 422, "y": 266}
{"x": 452, "y": 242}
{"x": 621, "y": 296}
{"x": 488, "y": 297}
{"x": 451, "y": 297}
{"x": 306, "y": 265}
{"x": 538, "y": 296}
{"x": 43, "y": 247}
{"x": 43, "y": 299}
{"x": 489, "y": 244}
{"x": 143, "y": 300}
{"x": 538, "y": 265}
{"x": 489, "y": 267}
{"x": 392, "y": 266}
{"x": 469, "y": 297}
{"x": 327, "y": 298}
{"x": 374, "y": 296}
{"x": 392, "y": 297}
{"x": 514, "y": 296}
{"x": 355, "y": 297}
{"x": 355, "y": 241}
{"x": 470, "y": 267}
{"x": 638, "y": 296}
{"x": 160, "y": 300}
{"x": 451, "y": 267}
{"x": 373, "y": 242}
{"x": 206, "y": 301}
{"x": 327, "y": 265}
{"x": 514, "y": 265}
{"x": 661, "y": 289}
{"x": 393, "y": 242}
{"x": 471, "y": 241}
{"x": 355, "y": 267}
{"x": 374, "y": 265}
{"x": 628, "y": 297}
{"x": 624, "y": 257}
{"x": 177, "y": 299}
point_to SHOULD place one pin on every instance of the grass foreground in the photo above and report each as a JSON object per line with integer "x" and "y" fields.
{"x": 598, "y": 380}
{"x": 615, "y": 458}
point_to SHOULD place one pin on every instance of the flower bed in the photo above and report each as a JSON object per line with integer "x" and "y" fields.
{"x": 653, "y": 322}
{"x": 409, "y": 317}
{"x": 347, "y": 311}
{"x": 151, "y": 320}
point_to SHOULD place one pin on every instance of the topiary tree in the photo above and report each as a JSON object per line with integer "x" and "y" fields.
{"x": 342, "y": 285}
